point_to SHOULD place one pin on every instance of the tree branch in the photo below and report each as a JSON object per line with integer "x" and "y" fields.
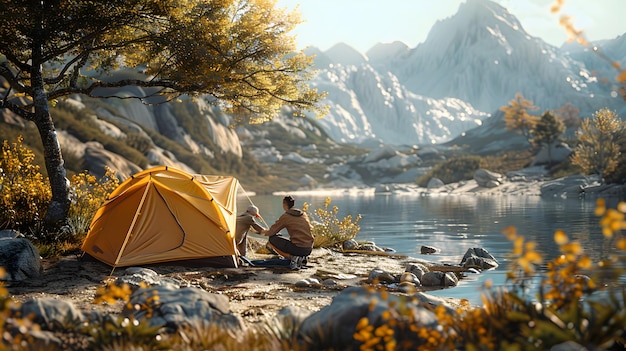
{"x": 17, "y": 109}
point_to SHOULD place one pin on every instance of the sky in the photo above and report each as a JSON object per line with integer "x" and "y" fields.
{"x": 364, "y": 23}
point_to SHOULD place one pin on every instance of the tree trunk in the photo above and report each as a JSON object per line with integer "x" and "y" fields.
{"x": 59, "y": 206}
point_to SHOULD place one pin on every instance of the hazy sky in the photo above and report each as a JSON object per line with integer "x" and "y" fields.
{"x": 363, "y": 23}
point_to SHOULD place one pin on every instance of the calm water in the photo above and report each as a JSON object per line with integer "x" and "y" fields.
{"x": 454, "y": 224}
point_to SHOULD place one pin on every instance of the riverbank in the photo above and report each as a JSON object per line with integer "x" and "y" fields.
{"x": 526, "y": 182}
{"x": 254, "y": 293}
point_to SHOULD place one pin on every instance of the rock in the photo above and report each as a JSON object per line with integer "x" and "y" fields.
{"x": 307, "y": 180}
{"x": 380, "y": 276}
{"x": 408, "y": 277}
{"x": 350, "y": 244}
{"x": 407, "y": 287}
{"x": 574, "y": 186}
{"x": 20, "y": 259}
{"x": 425, "y": 250}
{"x": 380, "y": 153}
{"x": 478, "y": 257}
{"x": 96, "y": 157}
{"x": 51, "y": 314}
{"x": 308, "y": 283}
{"x": 382, "y": 189}
{"x": 558, "y": 153}
{"x": 334, "y": 326}
{"x": 289, "y": 318}
{"x": 330, "y": 283}
{"x": 175, "y": 308}
{"x": 437, "y": 278}
{"x": 434, "y": 183}
{"x": 416, "y": 268}
{"x": 487, "y": 178}
{"x": 135, "y": 276}
{"x": 10, "y": 234}
{"x": 371, "y": 247}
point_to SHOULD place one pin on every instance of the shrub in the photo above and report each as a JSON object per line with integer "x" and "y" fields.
{"x": 24, "y": 192}
{"x": 328, "y": 229}
{"x": 87, "y": 194}
{"x": 598, "y": 148}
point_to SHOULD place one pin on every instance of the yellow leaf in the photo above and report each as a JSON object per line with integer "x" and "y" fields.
{"x": 621, "y": 244}
{"x": 621, "y": 77}
{"x": 533, "y": 257}
{"x": 585, "y": 262}
{"x": 560, "y": 237}
{"x": 509, "y": 232}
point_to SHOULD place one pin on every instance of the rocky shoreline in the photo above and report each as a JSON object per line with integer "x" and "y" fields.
{"x": 258, "y": 292}
{"x": 254, "y": 293}
{"x": 69, "y": 287}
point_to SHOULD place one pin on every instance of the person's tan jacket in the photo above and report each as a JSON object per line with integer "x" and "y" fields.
{"x": 298, "y": 227}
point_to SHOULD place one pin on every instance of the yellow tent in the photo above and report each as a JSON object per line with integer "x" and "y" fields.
{"x": 163, "y": 214}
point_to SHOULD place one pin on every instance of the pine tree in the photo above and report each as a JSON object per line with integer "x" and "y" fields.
{"x": 547, "y": 131}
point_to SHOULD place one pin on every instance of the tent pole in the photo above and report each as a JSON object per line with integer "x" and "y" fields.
{"x": 251, "y": 203}
{"x": 131, "y": 226}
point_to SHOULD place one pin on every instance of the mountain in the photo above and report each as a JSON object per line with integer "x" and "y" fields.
{"x": 369, "y": 106}
{"x": 470, "y": 65}
{"x": 390, "y": 109}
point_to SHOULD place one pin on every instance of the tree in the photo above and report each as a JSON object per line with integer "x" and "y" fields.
{"x": 598, "y": 149}
{"x": 570, "y": 117}
{"x": 517, "y": 118}
{"x": 235, "y": 53}
{"x": 547, "y": 131}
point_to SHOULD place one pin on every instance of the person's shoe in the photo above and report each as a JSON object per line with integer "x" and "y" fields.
{"x": 296, "y": 262}
{"x": 305, "y": 260}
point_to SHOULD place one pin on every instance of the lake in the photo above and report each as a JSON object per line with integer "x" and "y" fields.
{"x": 455, "y": 223}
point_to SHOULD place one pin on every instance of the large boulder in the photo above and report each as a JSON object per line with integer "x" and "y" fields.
{"x": 20, "y": 258}
{"x": 49, "y": 313}
{"x": 334, "y": 326}
{"x": 434, "y": 183}
{"x": 487, "y": 179}
{"x": 97, "y": 158}
{"x": 478, "y": 257}
{"x": 437, "y": 278}
{"x": 175, "y": 308}
{"x": 558, "y": 153}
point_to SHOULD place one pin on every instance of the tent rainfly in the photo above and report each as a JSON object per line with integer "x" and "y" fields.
{"x": 164, "y": 214}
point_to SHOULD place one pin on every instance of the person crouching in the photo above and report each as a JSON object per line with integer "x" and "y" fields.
{"x": 299, "y": 245}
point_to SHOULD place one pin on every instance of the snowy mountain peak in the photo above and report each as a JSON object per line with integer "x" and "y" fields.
{"x": 470, "y": 65}
{"x": 344, "y": 54}
{"x": 477, "y": 23}
{"x": 385, "y": 52}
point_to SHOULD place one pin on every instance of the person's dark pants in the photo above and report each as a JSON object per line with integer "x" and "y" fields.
{"x": 285, "y": 246}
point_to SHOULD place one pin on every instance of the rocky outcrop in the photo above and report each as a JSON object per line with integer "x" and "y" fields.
{"x": 178, "y": 307}
{"x": 477, "y": 257}
{"x": 487, "y": 179}
{"x": 19, "y": 257}
{"x": 334, "y": 326}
